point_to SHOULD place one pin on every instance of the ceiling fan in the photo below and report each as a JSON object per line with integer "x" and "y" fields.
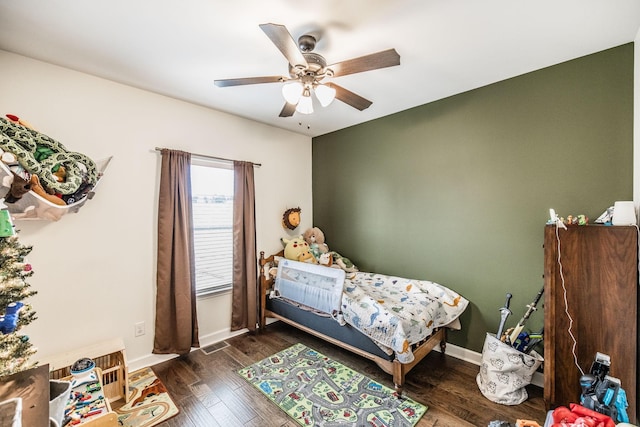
{"x": 307, "y": 70}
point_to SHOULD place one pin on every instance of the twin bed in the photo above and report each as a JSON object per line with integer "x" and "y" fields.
{"x": 392, "y": 321}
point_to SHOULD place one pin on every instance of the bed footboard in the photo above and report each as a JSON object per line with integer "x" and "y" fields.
{"x": 400, "y": 370}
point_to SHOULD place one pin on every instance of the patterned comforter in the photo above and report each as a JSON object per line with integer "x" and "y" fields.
{"x": 397, "y": 312}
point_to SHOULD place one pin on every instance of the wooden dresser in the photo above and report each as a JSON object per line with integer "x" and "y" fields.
{"x": 600, "y": 269}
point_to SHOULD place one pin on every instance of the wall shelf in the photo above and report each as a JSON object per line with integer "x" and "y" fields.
{"x": 34, "y": 207}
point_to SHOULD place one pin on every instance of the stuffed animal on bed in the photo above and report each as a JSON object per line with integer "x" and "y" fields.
{"x": 315, "y": 239}
{"x": 297, "y": 249}
{"x": 343, "y": 262}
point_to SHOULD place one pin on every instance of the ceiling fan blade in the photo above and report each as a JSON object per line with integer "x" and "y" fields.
{"x": 383, "y": 59}
{"x": 288, "y": 110}
{"x": 281, "y": 37}
{"x": 350, "y": 98}
{"x": 248, "y": 81}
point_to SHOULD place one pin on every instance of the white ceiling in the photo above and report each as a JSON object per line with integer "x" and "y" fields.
{"x": 178, "y": 48}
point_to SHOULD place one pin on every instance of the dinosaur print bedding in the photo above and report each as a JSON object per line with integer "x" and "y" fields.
{"x": 397, "y": 312}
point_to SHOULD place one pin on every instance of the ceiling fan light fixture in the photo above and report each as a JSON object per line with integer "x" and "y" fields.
{"x": 305, "y": 104}
{"x": 325, "y": 94}
{"x": 307, "y": 69}
{"x": 292, "y": 92}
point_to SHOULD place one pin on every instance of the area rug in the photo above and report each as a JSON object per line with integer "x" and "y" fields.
{"x": 317, "y": 391}
{"x": 149, "y": 402}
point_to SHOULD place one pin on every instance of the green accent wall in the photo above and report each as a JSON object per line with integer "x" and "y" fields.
{"x": 457, "y": 191}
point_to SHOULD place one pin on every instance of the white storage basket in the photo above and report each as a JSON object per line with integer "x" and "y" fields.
{"x": 505, "y": 372}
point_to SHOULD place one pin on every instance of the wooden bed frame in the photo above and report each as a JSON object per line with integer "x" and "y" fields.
{"x": 393, "y": 367}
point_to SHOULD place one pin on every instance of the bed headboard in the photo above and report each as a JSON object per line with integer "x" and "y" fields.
{"x": 265, "y": 282}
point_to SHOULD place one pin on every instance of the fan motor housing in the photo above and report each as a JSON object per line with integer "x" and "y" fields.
{"x": 306, "y": 43}
{"x": 316, "y": 66}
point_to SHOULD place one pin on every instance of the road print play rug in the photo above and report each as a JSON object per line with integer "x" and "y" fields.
{"x": 149, "y": 402}
{"x": 317, "y": 391}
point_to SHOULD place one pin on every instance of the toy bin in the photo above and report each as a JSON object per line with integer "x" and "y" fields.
{"x": 32, "y": 206}
{"x": 505, "y": 372}
{"x": 58, "y": 396}
{"x": 109, "y": 356}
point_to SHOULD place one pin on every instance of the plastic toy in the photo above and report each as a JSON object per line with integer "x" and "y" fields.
{"x": 621, "y": 405}
{"x": 580, "y": 416}
{"x": 9, "y": 322}
{"x": 83, "y": 371}
{"x": 6, "y": 226}
{"x": 601, "y": 392}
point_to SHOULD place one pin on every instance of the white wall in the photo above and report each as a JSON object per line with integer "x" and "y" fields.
{"x": 95, "y": 270}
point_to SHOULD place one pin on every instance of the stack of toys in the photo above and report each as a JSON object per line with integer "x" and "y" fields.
{"x": 86, "y": 400}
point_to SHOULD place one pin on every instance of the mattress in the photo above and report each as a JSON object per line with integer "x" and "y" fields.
{"x": 326, "y": 326}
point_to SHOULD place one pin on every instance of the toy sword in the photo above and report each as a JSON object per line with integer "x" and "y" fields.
{"x": 520, "y": 325}
{"x": 504, "y": 313}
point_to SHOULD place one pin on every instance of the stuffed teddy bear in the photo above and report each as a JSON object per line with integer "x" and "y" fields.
{"x": 315, "y": 239}
{"x": 297, "y": 249}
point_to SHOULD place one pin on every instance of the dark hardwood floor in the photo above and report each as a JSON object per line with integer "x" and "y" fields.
{"x": 209, "y": 392}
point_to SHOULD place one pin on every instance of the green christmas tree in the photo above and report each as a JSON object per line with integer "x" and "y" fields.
{"x": 15, "y": 348}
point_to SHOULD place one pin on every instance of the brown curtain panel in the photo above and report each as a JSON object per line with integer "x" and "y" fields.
{"x": 176, "y": 328}
{"x": 244, "y": 306}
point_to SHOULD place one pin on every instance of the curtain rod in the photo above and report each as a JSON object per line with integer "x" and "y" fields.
{"x": 213, "y": 157}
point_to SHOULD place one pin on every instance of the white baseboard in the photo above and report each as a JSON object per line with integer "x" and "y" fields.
{"x": 476, "y": 358}
{"x": 215, "y": 337}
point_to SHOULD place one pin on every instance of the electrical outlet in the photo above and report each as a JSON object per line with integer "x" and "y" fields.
{"x": 139, "y": 329}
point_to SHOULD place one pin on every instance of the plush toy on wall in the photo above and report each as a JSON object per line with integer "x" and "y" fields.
{"x": 15, "y": 119}
{"x": 9, "y": 321}
{"x": 40, "y": 191}
{"x": 40, "y": 154}
{"x": 297, "y": 249}
{"x": 291, "y": 218}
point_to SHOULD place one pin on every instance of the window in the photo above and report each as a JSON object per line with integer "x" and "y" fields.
{"x": 212, "y": 204}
